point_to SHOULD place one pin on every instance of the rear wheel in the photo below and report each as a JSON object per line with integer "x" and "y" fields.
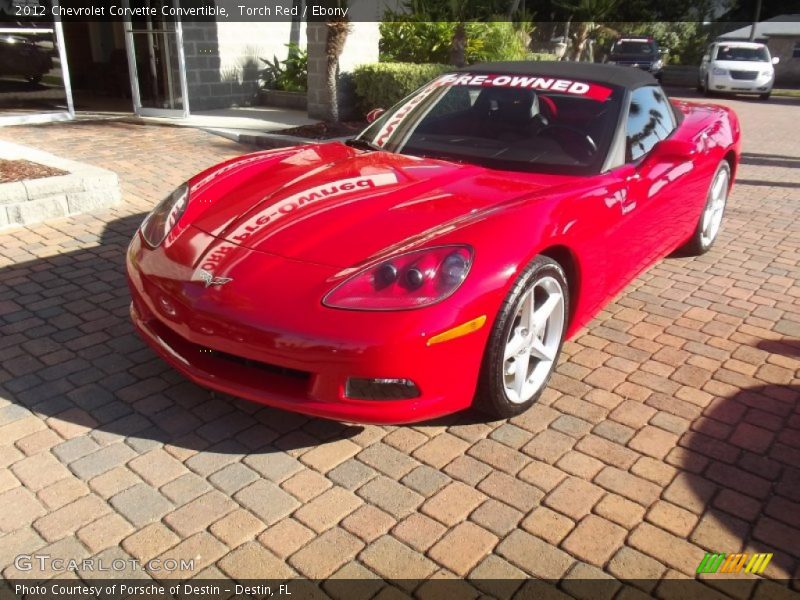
{"x": 711, "y": 218}
{"x": 526, "y": 340}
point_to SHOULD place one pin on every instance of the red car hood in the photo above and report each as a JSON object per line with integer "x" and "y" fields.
{"x": 334, "y": 205}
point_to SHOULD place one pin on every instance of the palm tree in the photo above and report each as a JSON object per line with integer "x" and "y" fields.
{"x": 586, "y": 13}
{"x": 337, "y": 29}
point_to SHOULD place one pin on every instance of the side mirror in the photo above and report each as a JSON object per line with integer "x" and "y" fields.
{"x": 673, "y": 149}
{"x": 706, "y": 57}
{"x": 775, "y": 60}
{"x": 374, "y": 114}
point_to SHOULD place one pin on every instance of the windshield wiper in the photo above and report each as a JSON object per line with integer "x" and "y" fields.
{"x": 362, "y": 144}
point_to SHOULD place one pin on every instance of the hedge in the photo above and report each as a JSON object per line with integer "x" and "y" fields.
{"x": 382, "y": 85}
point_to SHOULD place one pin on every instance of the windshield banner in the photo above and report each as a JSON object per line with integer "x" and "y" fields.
{"x": 544, "y": 84}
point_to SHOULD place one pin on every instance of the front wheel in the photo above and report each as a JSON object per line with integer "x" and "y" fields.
{"x": 526, "y": 340}
{"x": 711, "y": 219}
{"x": 764, "y": 96}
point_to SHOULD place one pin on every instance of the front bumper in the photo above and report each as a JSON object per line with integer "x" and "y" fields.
{"x": 726, "y": 83}
{"x": 299, "y": 357}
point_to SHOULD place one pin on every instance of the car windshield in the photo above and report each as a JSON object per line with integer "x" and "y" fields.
{"x": 743, "y": 53}
{"x": 632, "y": 47}
{"x": 512, "y": 122}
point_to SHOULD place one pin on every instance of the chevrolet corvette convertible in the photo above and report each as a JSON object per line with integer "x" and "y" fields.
{"x": 439, "y": 259}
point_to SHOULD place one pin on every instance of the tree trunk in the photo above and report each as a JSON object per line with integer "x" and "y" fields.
{"x": 458, "y": 47}
{"x": 337, "y": 34}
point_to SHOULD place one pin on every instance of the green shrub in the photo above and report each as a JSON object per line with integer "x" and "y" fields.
{"x": 289, "y": 74}
{"x": 382, "y": 85}
{"x": 429, "y": 42}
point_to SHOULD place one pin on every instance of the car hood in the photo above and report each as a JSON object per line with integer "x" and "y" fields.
{"x": 334, "y": 205}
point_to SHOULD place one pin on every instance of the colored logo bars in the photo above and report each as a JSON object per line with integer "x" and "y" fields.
{"x": 733, "y": 563}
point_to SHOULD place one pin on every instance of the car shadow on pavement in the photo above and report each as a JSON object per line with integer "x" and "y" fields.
{"x": 69, "y": 353}
{"x": 741, "y": 464}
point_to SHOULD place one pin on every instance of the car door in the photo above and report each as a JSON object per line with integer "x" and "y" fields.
{"x": 705, "y": 63}
{"x": 649, "y": 199}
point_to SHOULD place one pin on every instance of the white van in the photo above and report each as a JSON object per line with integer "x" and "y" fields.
{"x": 737, "y": 68}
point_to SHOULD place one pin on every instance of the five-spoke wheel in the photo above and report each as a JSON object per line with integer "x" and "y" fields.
{"x": 526, "y": 339}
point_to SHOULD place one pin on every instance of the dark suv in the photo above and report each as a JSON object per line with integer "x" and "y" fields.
{"x": 642, "y": 53}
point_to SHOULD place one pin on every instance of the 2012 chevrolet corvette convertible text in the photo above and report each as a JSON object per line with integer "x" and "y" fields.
{"x": 439, "y": 258}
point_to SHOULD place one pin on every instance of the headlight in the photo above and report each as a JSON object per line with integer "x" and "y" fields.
{"x": 162, "y": 219}
{"x": 718, "y": 71}
{"x": 410, "y": 280}
{"x": 656, "y": 65}
{"x": 766, "y": 74}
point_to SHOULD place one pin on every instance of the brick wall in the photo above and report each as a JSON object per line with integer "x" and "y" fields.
{"x": 223, "y": 59}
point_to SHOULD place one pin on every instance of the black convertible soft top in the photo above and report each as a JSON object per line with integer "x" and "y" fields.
{"x": 626, "y": 77}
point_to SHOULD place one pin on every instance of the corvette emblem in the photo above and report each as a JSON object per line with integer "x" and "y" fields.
{"x": 209, "y": 280}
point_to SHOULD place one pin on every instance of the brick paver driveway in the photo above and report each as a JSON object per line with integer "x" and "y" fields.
{"x": 672, "y": 427}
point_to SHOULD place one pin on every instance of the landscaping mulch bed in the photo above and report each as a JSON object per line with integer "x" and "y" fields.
{"x": 324, "y": 130}
{"x": 17, "y": 170}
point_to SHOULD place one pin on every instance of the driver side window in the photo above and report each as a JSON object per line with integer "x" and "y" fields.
{"x": 650, "y": 120}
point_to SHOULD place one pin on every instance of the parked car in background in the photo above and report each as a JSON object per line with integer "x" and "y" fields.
{"x": 21, "y": 57}
{"x": 638, "y": 52}
{"x": 738, "y": 68}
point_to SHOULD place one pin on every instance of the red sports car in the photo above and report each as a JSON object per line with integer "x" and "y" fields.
{"x": 438, "y": 259}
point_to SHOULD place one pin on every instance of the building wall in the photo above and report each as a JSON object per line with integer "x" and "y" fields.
{"x": 223, "y": 59}
{"x": 787, "y": 71}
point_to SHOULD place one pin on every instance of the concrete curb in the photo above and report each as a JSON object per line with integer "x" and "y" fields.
{"x": 83, "y": 188}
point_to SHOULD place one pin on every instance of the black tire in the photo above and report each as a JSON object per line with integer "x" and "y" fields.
{"x": 696, "y": 245}
{"x": 491, "y": 395}
{"x": 699, "y": 86}
{"x": 34, "y": 79}
{"x": 764, "y": 96}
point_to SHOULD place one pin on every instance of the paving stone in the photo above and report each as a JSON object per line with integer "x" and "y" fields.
{"x": 274, "y": 465}
{"x": 326, "y": 553}
{"x": 20, "y": 507}
{"x": 453, "y": 504}
{"x": 418, "y": 531}
{"x": 426, "y": 480}
{"x": 548, "y": 524}
{"x": 104, "y": 533}
{"x": 102, "y": 460}
{"x": 186, "y": 488}
{"x": 198, "y": 514}
{"x": 267, "y": 501}
{"x": 286, "y": 537}
{"x": 397, "y": 562}
{"x": 157, "y": 467}
{"x": 512, "y": 491}
{"x": 390, "y": 496}
{"x": 325, "y": 457}
{"x": 351, "y": 474}
{"x": 237, "y": 527}
{"x": 441, "y": 450}
{"x": 463, "y": 547}
{"x": 141, "y": 504}
{"x": 306, "y": 484}
{"x": 68, "y": 519}
{"x": 150, "y": 541}
{"x": 327, "y": 509}
{"x": 39, "y": 471}
{"x": 574, "y": 498}
{"x": 253, "y": 561}
{"x": 534, "y": 556}
{"x": 368, "y": 523}
{"x": 203, "y": 547}
{"x": 594, "y": 540}
{"x": 387, "y": 460}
